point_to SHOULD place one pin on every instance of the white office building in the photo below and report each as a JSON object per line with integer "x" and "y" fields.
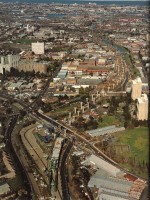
{"x": 6, "y": 62}
{"x": 38, "y": 48}
{"x": 136, "y": 88}
{"x": 142, "y": 107}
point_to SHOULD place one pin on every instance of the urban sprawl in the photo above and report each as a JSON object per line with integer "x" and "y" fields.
{"x": 74, "y": 101}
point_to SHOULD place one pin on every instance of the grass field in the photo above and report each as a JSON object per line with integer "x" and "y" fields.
{"x": 61, "y": 112}
{"x": 108, "y": 121}
{"x": 25, "y": 41}
{"x": 138, "y": 140}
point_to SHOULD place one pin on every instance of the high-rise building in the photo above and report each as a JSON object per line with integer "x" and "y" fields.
{"x": 6, "y": 62}
{"x": 142, "y": 107}
{"x": 29, "y": 66}
{"x": 38, "y": 48}
{"x": 136, "y": 88}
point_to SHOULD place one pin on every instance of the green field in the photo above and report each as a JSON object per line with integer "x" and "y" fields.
{"x": 25, "y": 41}
{"x": 138, "y": 140}
{"x": 60, "y": 112}
{"x": 108, "y": 121}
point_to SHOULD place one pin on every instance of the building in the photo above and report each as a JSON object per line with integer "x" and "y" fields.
{"x": 110, "y": 183}
{"x": 102, "y": 164}
{"x": 105, "y": 130}
{"x": 136, "y": 88}
{"x": 30, "y": 65}
{"x": 142, "y": 107}
{"x": 110, "y": 188}
{"x": 38, "y": 48}
{"x": 4, "y": 189}
{"x": 62, "y": 74}
{"x": 71, "y": 81}
{"x": 14, "y": 86}
{"x": 7, "y": 62}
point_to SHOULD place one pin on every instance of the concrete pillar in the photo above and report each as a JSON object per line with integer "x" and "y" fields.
{"x": 92, "y": 96}
{"x": 69, "y": 115}
{"x": 73, "y": 118}
{"x": 87, "y": 99}
{"x": 98, "y": 96}
{"x": 113, "y": 85}
{"x": 81, "y": 103}
{"x": 75, "y": 110}
{"x": 65, "y": 131}
{"x": 83, "y": 109}
{"x": 78, "y": 112}
{"x": 88, "y": 105}
{"x": 93, "y": 100}
{"x": 104, "y": 94}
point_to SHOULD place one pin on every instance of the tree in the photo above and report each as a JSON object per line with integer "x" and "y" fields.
{"x": 92, "y": 124}
{"x": 46, "y": 107}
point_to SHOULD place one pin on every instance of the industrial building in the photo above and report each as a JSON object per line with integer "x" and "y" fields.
{"x": 102, "y": 164}
{"x": 105, "y": 130}
{"x": 110, "y": 183}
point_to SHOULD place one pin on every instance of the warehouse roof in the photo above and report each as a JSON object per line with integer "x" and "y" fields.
{"x": 119, "y": 185}
{"x": 115, "y": 196}
{"x": 105, "y": 130}
{"x": 102, "y": 164}
{"x": 16, "y": 85}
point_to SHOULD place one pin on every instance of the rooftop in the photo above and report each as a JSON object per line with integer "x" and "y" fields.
{"x": 102, "y": 164}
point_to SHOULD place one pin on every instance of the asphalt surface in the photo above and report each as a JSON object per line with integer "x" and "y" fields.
{"x": 63, "y": 173}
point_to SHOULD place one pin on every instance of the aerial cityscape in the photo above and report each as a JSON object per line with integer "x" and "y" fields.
{"x": 74, "y": 100}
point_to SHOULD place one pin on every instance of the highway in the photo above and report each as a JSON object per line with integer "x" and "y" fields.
{"x": 63, "y": 172}
{"x": 55, "y": 124}
{"x": 60, "y": 127}
{"x": 97, "y": 151}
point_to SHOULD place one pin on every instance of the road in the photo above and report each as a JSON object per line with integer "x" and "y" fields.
{"x": 63, "y": 172}
{"x": 97, "y": 151}
{"x": 51, "y": 122}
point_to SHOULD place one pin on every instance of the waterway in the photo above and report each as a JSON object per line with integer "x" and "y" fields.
{"x": 96, "y": 2}
{"x": 121, "y": 49}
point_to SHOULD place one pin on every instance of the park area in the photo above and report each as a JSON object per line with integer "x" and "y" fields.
{"x": 108, "y": 120}
{"x": 136, "y": 157}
